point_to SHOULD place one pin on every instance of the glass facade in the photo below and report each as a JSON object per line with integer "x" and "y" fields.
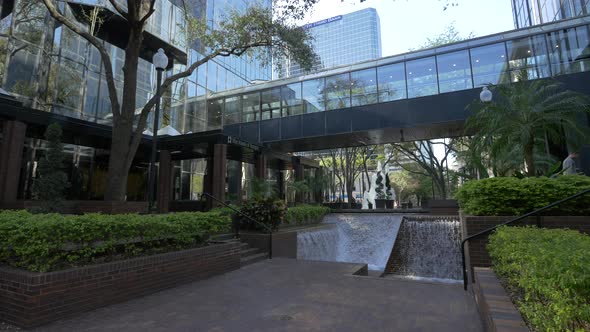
{"x": 341, "y": 40}
{"x": 561, "y": 49}
{"x": 62, "y": 73}
{"x": 532, "y": 12}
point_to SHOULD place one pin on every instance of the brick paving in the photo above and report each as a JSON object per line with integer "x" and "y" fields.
{"x": 289, "y": 295}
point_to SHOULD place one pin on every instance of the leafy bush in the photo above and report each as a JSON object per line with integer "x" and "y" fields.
{"x": 379, "y": 187}
{"x": 550, "y": 268}
{"x": 266, "y": 211}
{"x": 512, "y": 196}
{"x": 305, "y": 214}
{"x": 49, "y": 242}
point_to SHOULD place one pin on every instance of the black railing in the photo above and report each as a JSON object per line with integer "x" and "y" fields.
{"x": 533, "y": 213}
{"x": 266, "y": 227}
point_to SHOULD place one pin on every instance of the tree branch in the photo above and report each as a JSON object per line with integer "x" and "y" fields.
{"x": 108, "y": 67}
{"x": 118, "y": 8}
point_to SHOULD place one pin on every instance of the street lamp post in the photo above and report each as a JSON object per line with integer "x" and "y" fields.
{"x": 485, "y": 95}
{"x": 160, "y": 61}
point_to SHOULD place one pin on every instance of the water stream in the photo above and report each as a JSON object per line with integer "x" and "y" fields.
{"x": 352, "y": 238}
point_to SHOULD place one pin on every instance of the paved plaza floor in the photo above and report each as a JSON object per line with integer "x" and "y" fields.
{"x": 289, "y": 295}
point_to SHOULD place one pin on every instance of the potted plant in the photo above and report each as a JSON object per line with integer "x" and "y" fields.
{"x": 381, "y": 196}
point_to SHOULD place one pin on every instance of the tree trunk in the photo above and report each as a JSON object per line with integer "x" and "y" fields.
{"x": 529, "y": 159}
{"x": 121, "y": 149}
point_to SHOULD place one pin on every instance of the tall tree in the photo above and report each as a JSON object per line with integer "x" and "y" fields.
{"x": 235, "y": 35}
{"x": 514, "y": 127}
{"x": 450, "y": 34}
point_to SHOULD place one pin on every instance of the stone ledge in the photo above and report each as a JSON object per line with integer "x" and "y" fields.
{"x": 497, "y": 311}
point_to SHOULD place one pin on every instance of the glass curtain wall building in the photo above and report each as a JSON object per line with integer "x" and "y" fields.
{"x": 55, "y": 70}
{"x": 533, "y": 12}
{"x": 341, "y": 40}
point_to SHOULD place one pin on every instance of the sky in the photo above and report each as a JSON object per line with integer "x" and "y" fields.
{"x": 406, "y": 24}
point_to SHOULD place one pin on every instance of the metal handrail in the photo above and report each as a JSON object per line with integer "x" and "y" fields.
{"x": 268, "y": 229}
{"x": 536, "y": 212}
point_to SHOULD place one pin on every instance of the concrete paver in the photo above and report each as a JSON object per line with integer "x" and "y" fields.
{"x": 289, "y": 295}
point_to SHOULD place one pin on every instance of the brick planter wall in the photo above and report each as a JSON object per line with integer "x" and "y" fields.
{"x": 30, "y": 299}
{"x": 477, "y": 252}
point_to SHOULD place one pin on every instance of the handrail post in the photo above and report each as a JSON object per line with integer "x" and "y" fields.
{"x": 538, "y": 220}
{"x": 464, "y": 265}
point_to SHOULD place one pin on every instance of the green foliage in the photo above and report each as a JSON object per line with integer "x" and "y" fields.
{"x": 551, "y": 269}
{"x": 47, "y": 242}
{"x": 267, "y": 212}
{"x": 259, "y": 188}
{"x": 52, "y": 181}
{"x": 450, "y": 34}
{"x": 513, "y": 129}
{"x": 305, "y": 214}
{"x": 387, "y": 187}
{"x": 513, "y": 196}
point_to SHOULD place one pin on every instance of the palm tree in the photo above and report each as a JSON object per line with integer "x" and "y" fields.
{"x": 523, "y": 115}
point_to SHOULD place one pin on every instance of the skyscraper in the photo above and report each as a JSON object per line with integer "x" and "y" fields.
{"x": 342, "y": 40}
{"x": 532, "y": 12}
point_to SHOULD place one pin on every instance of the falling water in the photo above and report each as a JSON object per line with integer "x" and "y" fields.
{"x": 354, "y": 238}
{"x": 428, "y": 249}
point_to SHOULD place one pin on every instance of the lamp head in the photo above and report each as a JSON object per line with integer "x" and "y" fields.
{"x": 160, "y": 60}
{"x": 485, "y": 95}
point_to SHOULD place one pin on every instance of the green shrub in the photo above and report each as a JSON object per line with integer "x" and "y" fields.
{"x": 46, "y": 242}
{"x": 512, "y": 196}
{"x": 305, "y": 214}
{"x": 550, "y": 268}
{"x": 266, "y": 211}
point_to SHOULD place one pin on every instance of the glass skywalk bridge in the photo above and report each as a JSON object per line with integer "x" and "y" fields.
{"x": 390, "y": 83}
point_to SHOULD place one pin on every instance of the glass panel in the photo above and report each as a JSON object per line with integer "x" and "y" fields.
{"x": 454, "y": 72}
{"x": 421, "y": 76}
{"x": 251, "y": 107}
{"x": 337, "y": 91}
{"x": 232, "y": 110}
{"x": 392, "y": 82}
{"x": 527, "y": 56}
{"x": 271, "y": 103}
{"x": 291, "y": 99}
{"x": 363, "y": 86}
{"x": 214, "y": 111}
{"x": 313, "y": 98}
{"x": 569, "y": 50}
{"x": 489, "y": 64}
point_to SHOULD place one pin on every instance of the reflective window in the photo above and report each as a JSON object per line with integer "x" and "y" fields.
{"x": 313, "y": 98}
{"x": 271, "y": 103}
{"x": 211, "y": 76}
{"x": 214, "y": 111}
{"x": 392, "y": 82}
{"x": 421, "y": 76}
{"x": 566, "y": 50}
{"x": 232, "y": 110}
{"x": 489, "y": 64}
{"x": 363, "y": 87}
{"x": 251, "y": 107}
{"x": 454, "y": 71}
{"x": 528, "y": 57}
{"x": 337, "y": 91}
{"x": 291, "y": 99}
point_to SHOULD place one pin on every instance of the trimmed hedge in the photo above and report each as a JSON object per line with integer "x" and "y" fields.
{"x": 550, "y": 269}
{"x": 47, "y": 242}
{"x": 305, "y": 214}
{"x": 513, "y": 196}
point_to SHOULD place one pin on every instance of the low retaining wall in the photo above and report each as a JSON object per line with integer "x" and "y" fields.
{"x": 496, "y": 310}
{"x": 477, "y": 252}
{"x": 443, "y": 206}
{"x": 30, "y": 299}
{"x": 284, "y": 244}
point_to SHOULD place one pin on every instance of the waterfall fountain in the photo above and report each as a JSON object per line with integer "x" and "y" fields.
{"x": 427, "y": 247}
{"x": 352, "y": 238}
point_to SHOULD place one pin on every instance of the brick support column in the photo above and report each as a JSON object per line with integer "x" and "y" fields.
{"x": 11, "y": 151}
{"x": 165, "y": 177}
{"x": 219, "y": 172}
{"x": 261, "y": 162}
{"x": 280, "y": 182}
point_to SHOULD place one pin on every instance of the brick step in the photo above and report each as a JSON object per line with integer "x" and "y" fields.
{"x": 253, "y": 259}
{"x": 249, "y": 251}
